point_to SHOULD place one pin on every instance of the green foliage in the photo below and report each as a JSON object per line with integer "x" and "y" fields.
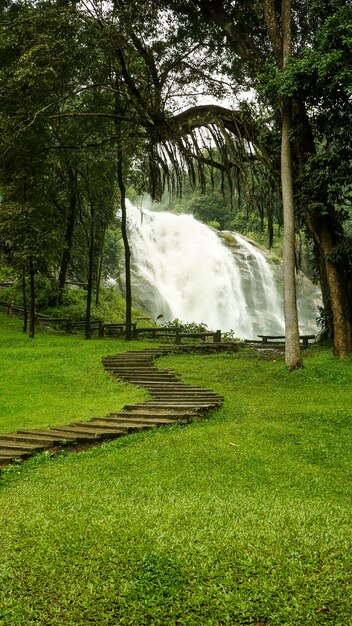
{"x": 324, "y": 323}
{"x": 7, "y": 273}
{"x": 191, "y": 327}
{"x": 253, "y": 208}
{"x": 214, "y": 224}
{"x": 196, "y": 327}
{"x": 73, "y": 304}
{"x": 112, "y": 252}
{"x": 111, "y": 306}
{"x": 46, "y": 292}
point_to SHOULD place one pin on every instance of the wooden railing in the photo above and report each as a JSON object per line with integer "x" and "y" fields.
{"x": 119, "y": 329}
{"x": 177, "y": 333}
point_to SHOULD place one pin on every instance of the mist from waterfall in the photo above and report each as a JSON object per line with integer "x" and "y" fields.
{"x": 186, "y": 270}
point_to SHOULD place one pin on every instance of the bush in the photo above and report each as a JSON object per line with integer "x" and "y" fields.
{"x": 187, "y": 327}
{"x": 200, "y": 327}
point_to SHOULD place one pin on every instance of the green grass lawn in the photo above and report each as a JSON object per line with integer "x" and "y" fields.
{"x": 241, "y": 519}
{"x": 56, "y": 379}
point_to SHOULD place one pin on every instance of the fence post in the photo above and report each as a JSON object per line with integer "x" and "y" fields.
{"x": 217, "y": 336}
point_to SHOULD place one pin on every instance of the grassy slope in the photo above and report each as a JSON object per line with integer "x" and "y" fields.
{"x": 243, "y": 518}
{"x": 56, "y": 379}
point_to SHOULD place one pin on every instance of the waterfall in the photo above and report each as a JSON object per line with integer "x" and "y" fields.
{"x": 186, "y": 270}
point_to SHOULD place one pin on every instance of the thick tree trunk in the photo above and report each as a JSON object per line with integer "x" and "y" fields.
{"x": 337, "y": 285}
{"x": 70, "y": 226}
{"x": 292, "y": 346}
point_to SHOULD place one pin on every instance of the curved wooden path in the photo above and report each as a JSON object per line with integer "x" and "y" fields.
{"x": 172, "y": 401}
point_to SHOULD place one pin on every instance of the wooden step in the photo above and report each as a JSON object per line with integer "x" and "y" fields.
{"x": 155, "y": 405}
{"x": 146, "y": 377}
{"x": 142, "y": 369}
{"x": 28, "y": 438}
{"x": 168, "y": 414}
{"x": 11, "y": 454}
{"x": 132, "y": 367}
{"x": 186, "y": 392}
{"x": 118, "y": 425}
{"x": 64, "y": 434}
{"x": 85, "y": 429}
{"x": 197, "y": 406}
{"x": 184, "y": 396}
{"x": 17, "y": 445}
{"x": 137, "y": 421}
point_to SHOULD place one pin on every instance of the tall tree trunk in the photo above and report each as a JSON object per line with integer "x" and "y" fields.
{"x": 100, "y": 267}
{"x": 70, "y": 225}
{"x": 122, "y": 188}
{"x": 88, "y": 332}
{"x": 90, "y": 280}
{"x": 126, "y": 244}
{"x": 24, "y": 302}
{"x": 282, "y": 48}
{"x": 32, "y": 300}
{"x": 293, "y": 357}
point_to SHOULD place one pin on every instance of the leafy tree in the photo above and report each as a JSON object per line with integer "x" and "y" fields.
{"x": 128, "y": 68}
{"x": 249, "y": 39}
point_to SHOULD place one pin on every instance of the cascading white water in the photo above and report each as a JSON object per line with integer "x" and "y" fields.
{"x": 184, "y": 269}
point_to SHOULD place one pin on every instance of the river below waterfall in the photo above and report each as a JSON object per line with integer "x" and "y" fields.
{"x": 183, "y": 269}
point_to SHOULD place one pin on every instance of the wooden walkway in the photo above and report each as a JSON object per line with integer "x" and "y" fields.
{"x": 172, "y": 401}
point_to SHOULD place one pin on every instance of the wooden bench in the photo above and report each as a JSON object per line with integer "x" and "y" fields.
{"x": 304, "y": 339}
{"x": 268, "y": 338}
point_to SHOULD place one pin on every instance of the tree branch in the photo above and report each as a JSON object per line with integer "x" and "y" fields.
{"x": 88, "y": 114}
{"x": 214, "y": 11}
{"x": 237, "y": 122}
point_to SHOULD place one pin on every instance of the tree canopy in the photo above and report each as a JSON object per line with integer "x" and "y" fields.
{"x": 84, "y": 84}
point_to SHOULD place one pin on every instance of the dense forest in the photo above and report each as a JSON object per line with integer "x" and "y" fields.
{"x": 241, "y": 109}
